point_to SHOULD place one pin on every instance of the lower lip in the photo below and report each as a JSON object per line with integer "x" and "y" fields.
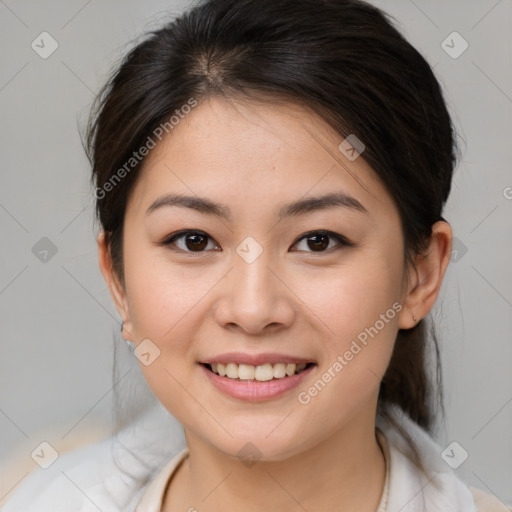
{"x": 253, "y": 390}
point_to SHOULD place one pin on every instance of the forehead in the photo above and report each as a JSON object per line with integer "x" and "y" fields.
{"x": 251, "y": 154}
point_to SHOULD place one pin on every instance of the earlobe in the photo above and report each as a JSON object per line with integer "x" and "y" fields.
{"x": 426, "y": 278}
{"x": 116, "y": 289}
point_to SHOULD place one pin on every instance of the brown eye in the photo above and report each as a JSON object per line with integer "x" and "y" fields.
{"x": 318, "y": 242}
{"x": 190, "y": 241}
{"x": 321, "y": 241}
{"x": 196, "y": 242}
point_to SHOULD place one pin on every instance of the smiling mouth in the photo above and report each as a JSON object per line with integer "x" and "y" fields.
{"x": 261, "y": 373}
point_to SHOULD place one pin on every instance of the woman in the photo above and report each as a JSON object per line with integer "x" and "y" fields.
{"x": 270, "y": 178}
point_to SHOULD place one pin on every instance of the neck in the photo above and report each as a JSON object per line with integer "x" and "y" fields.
{"x": 344, "y": 472}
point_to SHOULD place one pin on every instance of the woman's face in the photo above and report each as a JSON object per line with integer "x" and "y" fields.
{"x": 266, "y": 277}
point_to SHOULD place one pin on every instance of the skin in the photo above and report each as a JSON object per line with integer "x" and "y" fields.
{"x": 254, "y": 157}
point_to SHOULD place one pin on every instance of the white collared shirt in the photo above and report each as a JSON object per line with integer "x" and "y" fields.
{"x": 90, "y": 479}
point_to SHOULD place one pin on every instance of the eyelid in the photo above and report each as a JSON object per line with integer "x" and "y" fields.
{"x": 341, "y": 240}
{"x": 169, "y": 240}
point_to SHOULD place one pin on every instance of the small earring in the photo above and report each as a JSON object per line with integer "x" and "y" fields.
{"x": 414, "y": 318}
{"x": 128, "y": 342}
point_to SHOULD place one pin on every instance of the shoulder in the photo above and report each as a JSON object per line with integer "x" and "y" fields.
{"x": 73, "y": 482}
{"x": 487, "y": 502}
{"x": 110, "y": 475}
{"x": 432, "y": 480}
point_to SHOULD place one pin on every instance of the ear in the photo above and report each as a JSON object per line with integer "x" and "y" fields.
{"x": 116, "y": 289}
{"x": 426, "y": 276}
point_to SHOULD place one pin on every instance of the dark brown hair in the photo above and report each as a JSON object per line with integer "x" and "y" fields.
{"x": 346, "y": 61}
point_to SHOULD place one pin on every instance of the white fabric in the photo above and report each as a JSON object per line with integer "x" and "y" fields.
{"x": 412, "y": 491}
{"x": 88, "y": 479}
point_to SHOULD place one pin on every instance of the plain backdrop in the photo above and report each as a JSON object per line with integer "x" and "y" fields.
{"x": 57, "y": 320}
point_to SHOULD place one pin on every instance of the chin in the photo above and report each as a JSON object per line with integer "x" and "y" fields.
{"x": 266, "y": 443}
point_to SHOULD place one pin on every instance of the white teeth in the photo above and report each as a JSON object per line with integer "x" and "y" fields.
{"x": 264, "y": 372}
{"x": 260, "y": 373}
{"x": 245, "y": 372}
{"x": 290, "y": 369}
{"x": 232, "y": 371}
{"x": 279, "y": 370}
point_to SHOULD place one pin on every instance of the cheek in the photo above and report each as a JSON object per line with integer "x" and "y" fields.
{"x": 353, "y": 297}
{"x": 162, "y": 295}
{"x": 161, "y": 307}
{"x": 164, "y": 310}
{"x": 354, "y": 361}
{"x": 358, "y": 307}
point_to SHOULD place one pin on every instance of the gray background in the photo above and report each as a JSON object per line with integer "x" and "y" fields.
{"x": 57, "y": 320}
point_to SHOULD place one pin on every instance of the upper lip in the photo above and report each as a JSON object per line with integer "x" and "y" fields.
{"x": 255, "y": 359}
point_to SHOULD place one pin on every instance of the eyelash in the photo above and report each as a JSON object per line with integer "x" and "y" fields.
{"x": 341, "y": 240}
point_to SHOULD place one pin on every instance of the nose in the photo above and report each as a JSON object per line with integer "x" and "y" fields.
{"x": 254, "y": 298}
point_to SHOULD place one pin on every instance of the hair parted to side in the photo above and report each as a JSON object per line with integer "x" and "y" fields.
{"x": 346, "y": 61}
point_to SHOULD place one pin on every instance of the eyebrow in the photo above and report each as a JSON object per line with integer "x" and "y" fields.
{"x": 300, "y": 207}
